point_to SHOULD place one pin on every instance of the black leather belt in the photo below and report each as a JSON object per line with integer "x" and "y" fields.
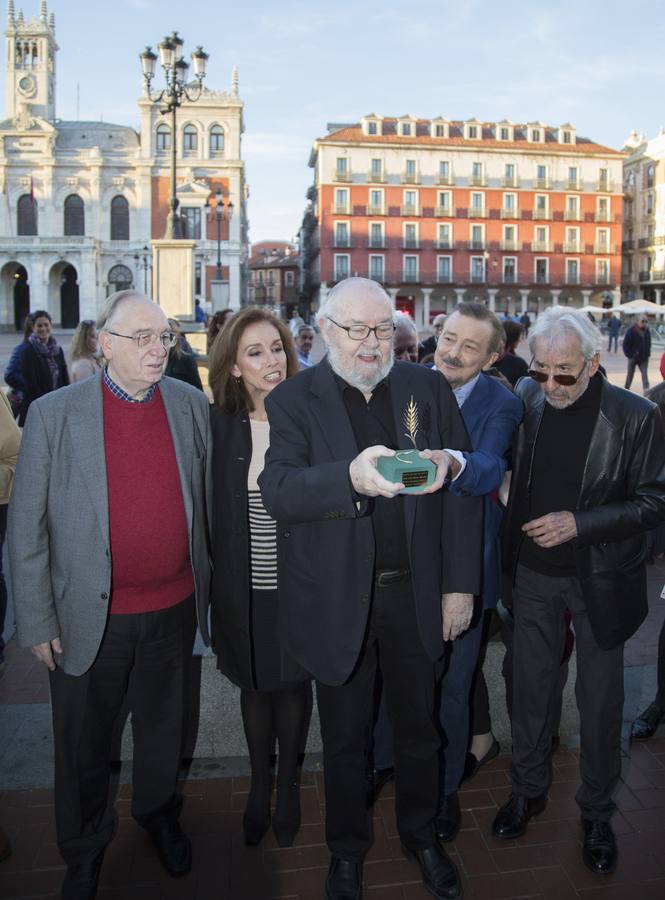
{"x": 391, "y": 576}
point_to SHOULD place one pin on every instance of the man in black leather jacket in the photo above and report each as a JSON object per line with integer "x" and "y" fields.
{"x": 588, "y": 481}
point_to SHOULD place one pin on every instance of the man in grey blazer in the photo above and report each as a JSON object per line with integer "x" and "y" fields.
{"x": 108, "y": 542}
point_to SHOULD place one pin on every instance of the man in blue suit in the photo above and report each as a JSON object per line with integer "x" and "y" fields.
{"x": 472, "y": 339}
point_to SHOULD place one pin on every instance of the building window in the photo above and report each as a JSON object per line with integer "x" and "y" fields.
{"x": 535, "y": 134}
{"x": 504, "y": 134}
{"x": 541, "y": 206}
{"x": 477, "y": 237}
{"x": 444, "y": 171}
{"x": 572, "y": 271}
{"x": 410, "y": 170}
{"x": 341, "y": 200}
{"x": 542, "y": 236}
{"x": 649, "y": 205}
{"x": 190, "y": 139}
{"x": 472, "y": 132}
{"x": 509, "y": 270}
{"x": 410, "y": 236}
{"x": 341, "y": 167}
{"x": 477, "y": 173}
{"x": 163, "y": 138}
{"x": 602, "y": 240}
{"x": 406, "y": 129}
{"x": 567, "y": 137}
{"x": 445, "y": 236}
{"x": 376, "y": 268}
{"x": 477, "y": 268}
{"x": 509, "y": 237}
{"x": 510, "y": 204}
{"x": 443, "y": 206}
{"x": 410, "y": 264}
{"x": 410, "y": 203}
{"x": 74, "y": 215}
{"x": 376, "y": 202}
{"x": 650, "y": 176}
{"x": 190, "y": 219}
{"x": 541, "y": 175}
{"x": 440, "y": 130}
{"x": 572, "y": 176}
{"x": 509, "y": 173}
{"x": 376, "y": 170}
{"x": 572, "y": 240}
{"x": 477, "y": 203}
{"x": 342, "y": 234}
{"x": 216, "y": 140}
{"x": 444, "y": 269}
{"x": 376, "y": 235}
{"x": 602, "y": 271}
{"x": 119, "y": 219}
{"x": 119, "y": 279}
{"x": 26, "y": 216}
{"x": 542, "y": 271}
{"x": 603, "y": 179}
{"x": 341, "y": 266}
{"x": 371, "y": 128}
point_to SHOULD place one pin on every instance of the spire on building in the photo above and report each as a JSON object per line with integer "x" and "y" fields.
{"x": 234, "y": 81}
{"x": 20, "y": 18}
{"x": 51, "y": 21}
{"x": 43, "y": 15}
{"x": 10, "y": 13}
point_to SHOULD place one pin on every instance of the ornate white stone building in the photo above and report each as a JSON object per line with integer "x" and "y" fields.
{"x": 81, "y": 201}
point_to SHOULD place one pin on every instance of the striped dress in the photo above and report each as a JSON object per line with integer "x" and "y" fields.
{"x": 262, "y": 529}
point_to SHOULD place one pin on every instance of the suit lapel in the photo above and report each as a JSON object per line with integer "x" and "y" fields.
{"x": 179, "y": 415}
{"x": 328, "y": 409}
{"x": 87, "y": 432}
{"x": 475, "y": 406}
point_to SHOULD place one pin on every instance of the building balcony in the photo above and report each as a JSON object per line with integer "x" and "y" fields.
{"x": 511, "y": 245}
{"x": 572, "y": 247}
{"x": 444, "y": 245}
{"x": 477, "y": 212}
{"x": 541, "y": 246}
{"x": 574, "y": 185}
{"x": 604, "y": 186}
{"x": 477, "y": 278}
{"x": 476, "y": 245}
{"x": 509, "y": 278}
{"x": 442, "y": 212}
{"x": 445, "y": 179}
{"x": 542, "y": 183}
{"x": 643, "y": 242}
{"x": 542, "y": 278}
{"x": 444, "y": 277}
{"x": 605, "y": 249}
{"x": 376, "y": 276}
{"x": 376, "y": 243}
{"x": 644, "y": 276}
{"x": 410, "y": 210}
{"x": 340, "y": 209}
{"x": 602, "y": 217}
{"x": 571, "y": 278}
{"x": 509, "y": 213}
{"x": 410, "y": 244}
{"x": 340, "y": 275}
{"x": 410, "y": 277}
{"x": 658, "y": 275}
{"x": 477, "y": 181}
{"x": 572, "y": 215}
{"x": 342, "y": 243}
{"x": 343, "y": 177}
{"x": 375, "y": 210}
{"x": 602, "y": 278}
{"x": 541, "y": 214}
{"x": 510, "y": 181}
{"x": 376, "y": 177}
{"x": 627, "y": 245}
{"x": 410, "y": 178}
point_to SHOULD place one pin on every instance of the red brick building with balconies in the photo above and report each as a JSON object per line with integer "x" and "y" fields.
{"x": 521, "y": 216}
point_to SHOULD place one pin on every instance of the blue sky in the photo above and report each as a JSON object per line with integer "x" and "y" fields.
{"x": 599, "y": 65}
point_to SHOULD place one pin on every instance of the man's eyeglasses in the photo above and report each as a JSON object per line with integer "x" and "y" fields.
{"x": 564, "y": 380}
{"x": 383, "y": 332}
{"x": 167, "y": 338}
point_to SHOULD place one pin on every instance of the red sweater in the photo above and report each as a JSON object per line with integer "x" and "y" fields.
{"x": 151, "y": 567}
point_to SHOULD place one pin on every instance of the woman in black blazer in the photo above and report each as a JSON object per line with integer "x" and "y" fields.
{"x": 252, "y": 354}
{"x": 43, "y": 364}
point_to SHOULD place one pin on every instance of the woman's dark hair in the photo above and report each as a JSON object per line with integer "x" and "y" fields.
{"x": 78, "y": 348}
{"x": 230, "y": 394}
{"x": 217, "y": 322}
{"x": 27, "y": 327}
{"x": 513, "y": 332}
{"x": 40, "y": 314}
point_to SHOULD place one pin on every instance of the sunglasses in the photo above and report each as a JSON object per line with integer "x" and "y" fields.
{"x": 564, "y": 380}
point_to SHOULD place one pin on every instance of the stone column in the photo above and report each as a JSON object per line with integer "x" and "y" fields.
{"x": 424, "y": 324}
{"x": 524, "y": 295}
{"x": 555, "y": 298}
{"x": 492, "y": 303}
{"x": 459, "y": 295}
{"x": 586, "y": 296}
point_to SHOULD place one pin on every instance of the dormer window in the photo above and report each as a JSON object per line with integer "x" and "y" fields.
{"x": 535, "y": 134}
{"x": 504, "y": 134}
{"x": 371, "y": 124}
{"x": 566, "y": 134}
{"x": 440, "y": 130}
{"x": 567, "y": 137}
{"x": 472, "y": 132}
{"x": 505, "y": 131}
{"x": 406, "y": 129}
{"x": 372, "y": 128}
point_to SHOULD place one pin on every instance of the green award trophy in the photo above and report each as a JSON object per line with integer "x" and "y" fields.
{"x": 407, "y": 466}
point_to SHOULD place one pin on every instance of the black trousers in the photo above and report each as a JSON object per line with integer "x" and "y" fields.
{"x": 347, "y": 712}
{"x": 539, "y": 606}
{"x": 142, "y": 658}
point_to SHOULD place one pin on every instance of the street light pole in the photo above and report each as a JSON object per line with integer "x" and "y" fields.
{"x": 174, "y": 95}
{"x": 222, "y": 213}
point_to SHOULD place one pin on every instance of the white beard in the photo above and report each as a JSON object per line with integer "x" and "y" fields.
{"x": 366, "y": 384}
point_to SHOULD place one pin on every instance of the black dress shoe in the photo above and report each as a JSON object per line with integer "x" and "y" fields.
{"x": 645, "y": 725}
{"x": 448, "y": 818}
{"x": 82, "y": 878}
{"x": 345, "y": 879}
{"x": 173, "y": 846}
{"x": 376, "y": 781}
{"x": 600, "y": 847}
{"x": 473, "y": 765}
{"x": 440, "y": 877}
{"x": 513, "y": 817}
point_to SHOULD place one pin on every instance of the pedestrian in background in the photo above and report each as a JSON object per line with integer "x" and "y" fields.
{"x": 217, "y": 321}
{"x": 637, "y": 349}
{"x": 182, "y": 362}
{"x": 254, "y": 353}
{"x": 14, "y": 370}
{"x": 43, "y": 363}
{"x": 84, "y": 351}
{"x": 613, "y": 328}
{"x": 304, "y": 341}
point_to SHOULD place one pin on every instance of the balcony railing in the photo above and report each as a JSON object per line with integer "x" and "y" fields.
{"x": 444, "y": 277}
{"x": 476, "y": 245}
{"x": 645, "y": 276}
{"x": 342, "y": 243}
{"x": 478, "y": 181}
{"x": 542, "y": 278}
{"x": 541, "y": 214}
{"x": 603, "y": 217}
{"x": 509, "y": 181}
{"x": 342, "y": 176}
{"x": 602, "y": 278}
{"x": 572, "y": 247}
{"x": 341, "y": 209}
{"x": 375, "y": 210}
{"x": 571, "y": 278}
{"x": 511, "y": 245}
{"x": 604, "y": 248}
{"x": 445, "y": 179}
{"x": 509, "y": 278}
{"x": 604, "y": 186}
{"x": 572, "y": 215}
{"x": 410, "y": 178}
{"x": 628, "y": 245}
{"x": 477, "y": 212}
{"x": 573, "y": 185}
{"x": 410, "y": 277}
{"x": 509, "y": 213}
{"x": 376, "y": 177}
{"x": 376, "y": 243}
{"x": 410, "y": 210}
{"x": 444, "y": 245}
{"x": 442, "y": 212}
{"x": 541, "y": 246}
{"x": 376, "y": 276}
{"x": 478, "y": 278}
{"x": 658, "y": 275}
{"x": 542, "y": 183}
{"x": 643, "y": 242}
{"x": 410, "y": 244}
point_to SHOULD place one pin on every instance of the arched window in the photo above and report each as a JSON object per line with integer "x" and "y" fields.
{"x": 74, "y": 215}
{"x": 163, "y": 138}
{"x": 119, "y": 279}
{"x": 119, "y": 219}
{"x": 216, "y": 140}
{"x": 190, "y": 139}
{"x": 26, "y": 216}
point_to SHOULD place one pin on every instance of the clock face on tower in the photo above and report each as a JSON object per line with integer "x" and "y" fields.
{"x": 27, "y": 85}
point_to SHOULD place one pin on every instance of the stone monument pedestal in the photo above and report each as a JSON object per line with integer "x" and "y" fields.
{"x": 173, "y": 277}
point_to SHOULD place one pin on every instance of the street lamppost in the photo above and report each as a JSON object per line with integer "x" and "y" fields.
{"x": 174, "y": 94}
{"x": 144, "y": 260}
{"x": 221, "y": 212}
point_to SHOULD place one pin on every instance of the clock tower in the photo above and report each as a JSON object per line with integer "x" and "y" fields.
{"x": 30, "y": 76}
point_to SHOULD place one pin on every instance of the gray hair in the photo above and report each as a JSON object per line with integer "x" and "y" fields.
{"x": 109, "y": 309}
{"x": 400, "y": 318}
{"x": 328, "y": 305}
{"x": 558, "y": 322}
{"x": 304, "y": 327}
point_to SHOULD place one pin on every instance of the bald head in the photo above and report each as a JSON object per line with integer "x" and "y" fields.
{"x": 353, "y": 294}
